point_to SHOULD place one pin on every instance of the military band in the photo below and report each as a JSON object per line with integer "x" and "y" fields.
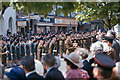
{"x": 37, "y": 45}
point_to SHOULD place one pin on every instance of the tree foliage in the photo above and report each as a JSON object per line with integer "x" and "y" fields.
{"x": 99, "y": 11}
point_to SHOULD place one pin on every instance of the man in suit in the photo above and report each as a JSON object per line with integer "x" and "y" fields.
{"x": 52, "y": 72}
{"x": 28, "y": 64}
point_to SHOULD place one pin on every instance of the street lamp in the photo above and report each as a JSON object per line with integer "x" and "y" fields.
{"x": 29, "y": 24}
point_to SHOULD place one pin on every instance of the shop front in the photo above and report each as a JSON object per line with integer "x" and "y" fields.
{"x": 45, "y": 24}
{"x": 65, "y": 24}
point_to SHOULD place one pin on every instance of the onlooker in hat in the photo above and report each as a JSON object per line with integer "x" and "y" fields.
{"x": 104, "y": 67}
{"x": 95, "y": 48}
{"x": 86, "y": 65}
{"x": 74, "y": 67}
{"x": 16, "y": 73}
{"x": 28, "y": 64}
{"x": 115, "y": 44}
{"x": 52, "y": 72}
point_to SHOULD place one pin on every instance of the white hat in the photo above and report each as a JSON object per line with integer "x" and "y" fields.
{"x": 74, "y": 58}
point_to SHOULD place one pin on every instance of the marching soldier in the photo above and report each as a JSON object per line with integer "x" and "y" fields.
{"x": 13, "y": 52}
{"x": 39, "y": 48}
{"x": 22, "y": 48}
{"x": 27, "y": 48}
{"x": 61, "y": 43}
{"x": 32, "y": 47}
{"x": 17, "y": 53}
{"x": 45, "y": 47}
{"x": 3, "y": 51}
{"x": 8, "y": 53}
{"x": 53, "y": 46}
{"x": 69, "y": 45}
{"x": 35, "y": 47}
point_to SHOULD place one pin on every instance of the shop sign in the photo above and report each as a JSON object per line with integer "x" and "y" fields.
{"x": 46, "y": 20}
{"x": 22, "y": 23}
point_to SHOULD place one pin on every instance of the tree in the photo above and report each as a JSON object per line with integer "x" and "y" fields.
{"x": 103, "y": 11}
{"x": 43, "y": 7}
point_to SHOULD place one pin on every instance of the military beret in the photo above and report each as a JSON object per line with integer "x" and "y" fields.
{"x": 103, "y": 61}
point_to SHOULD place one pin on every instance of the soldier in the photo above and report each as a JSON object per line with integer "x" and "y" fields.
{"x": 27, "y": 48}
{"x": 35, "y": 47}
{"x": 8, "y": 53}
{"x": 17, "y": 53}
{"x": 53, "y": 46}
{"x": 45, "y": 47}
{"x": 32, "y": 47}
{"x": 22, "y": 48}
{"x": 61, "y": 42}
{"x": 39, "y": 48}
{"x": 3, "y": 51}
{"x": 13, "y": 52}
{"x": 68, "y": 44}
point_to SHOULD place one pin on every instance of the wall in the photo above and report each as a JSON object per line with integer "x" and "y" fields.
{"x": 4, "y": 21}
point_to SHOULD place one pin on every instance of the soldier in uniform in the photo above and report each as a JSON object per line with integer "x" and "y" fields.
{"x": 32, "y": 47}
{"x": 8, "y": 53}
{"x": 22, "y": 48}
{"x": 27, "y": 48}
{"x": 53, "y": 46}
{"x": 13, "y": 52}
{"x": 3, "y": 51}
{"x": 40, "y": 48}
{"x": 61, "y": 43}
{"x": 45, "y": 47}
{"x": 68, "y": 44}
{"x": 35, "y": 47}
{"x": 17, "y": 53}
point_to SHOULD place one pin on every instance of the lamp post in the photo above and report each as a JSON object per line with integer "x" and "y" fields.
{"x": 29, "y": 24}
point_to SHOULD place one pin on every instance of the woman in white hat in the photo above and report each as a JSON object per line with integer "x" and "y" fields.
{"x": 74, "y": 65}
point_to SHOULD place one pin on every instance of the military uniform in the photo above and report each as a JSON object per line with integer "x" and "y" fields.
{"x": 52, "y": 46}
{"x": 28, "y": 49}
{"x": 45, "y": 48}
{"x": 18, "y": 51}
{"x": 69, "y": 46}
{"x": 39, "y": 51}
{"x": 36, "y": 45}
{"x": 13, "y": 51}
{"x": 22, "y": 47}
{"x": 32, "y": 49}
{"x": 9, "y": 53}
{"x": 61, "y": 44}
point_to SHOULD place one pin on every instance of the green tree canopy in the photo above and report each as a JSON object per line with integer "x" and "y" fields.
{"x": 99, "y": 11}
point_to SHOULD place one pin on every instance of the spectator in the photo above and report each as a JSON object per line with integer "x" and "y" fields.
{"x": 74, "y": 65}
{"x": 115, "y": 44}
{"x": 52, "y": 72}
{"x": 57, "y": 62}
{"x": 104, "y": 67}
{"x": 16, "y": 73}
{"x": 28, "y": 64}
{"x": 95, "y": 48}
{"x": 86, "y": 65}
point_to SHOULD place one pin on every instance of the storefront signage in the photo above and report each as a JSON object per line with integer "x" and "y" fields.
{"x": 65, "y": 21}
{"x": 22, "y": 23}
{"x": 46, "y": 20}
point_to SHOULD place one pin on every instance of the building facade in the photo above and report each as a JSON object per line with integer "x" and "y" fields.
{"x": 8, "y": 21}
